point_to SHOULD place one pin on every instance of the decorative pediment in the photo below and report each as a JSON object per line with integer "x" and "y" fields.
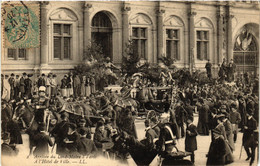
{"x": 140, "y": 19}
{"x": 173, "y": 21}
{"x": 204, "y": 23}
{"x": 63, "y": 14}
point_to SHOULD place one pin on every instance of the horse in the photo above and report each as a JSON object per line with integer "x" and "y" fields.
{"x": 25, "y": 114}
{"x": 125, "y": 145}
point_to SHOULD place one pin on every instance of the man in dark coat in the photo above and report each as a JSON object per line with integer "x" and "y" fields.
{"x": 60, "y": 132}
{"x": 250, "y": 140}
{"x": 180, "y": 117}
{"x": 17, "y": 88}
{"x": 22, "y": 85}
{"x": 85, "y": 146}
{"x": 203, "y": 127}
{"x": 6, "y": 149}
{"x": 6, "y": 115}
{"x": 41, "y": 81}
{"x": 11, "y": 81}
{"x": 28, "y": 86}
{"x": 42, "y": 140}
{"x": 208, "y": 68}
{"x": 190, "y": 140}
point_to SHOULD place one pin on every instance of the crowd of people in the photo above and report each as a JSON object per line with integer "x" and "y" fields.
{"x": 223, "y": 109}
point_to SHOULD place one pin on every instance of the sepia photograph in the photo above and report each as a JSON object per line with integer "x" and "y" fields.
{"x": 130, "y": 83}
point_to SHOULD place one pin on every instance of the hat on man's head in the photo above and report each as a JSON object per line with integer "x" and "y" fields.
{"x": 24, "y": 74}
{"x": 43, "y": 74}
{"x": 12, "y": 74}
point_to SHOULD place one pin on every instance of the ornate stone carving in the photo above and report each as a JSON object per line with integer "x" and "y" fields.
{"x": 160, "y": 11}
{"x": 203, "y": 23}
{"x": 63, "y": 14}
{"x": 140, "y": 19}
{"x": 126, "y": 9}
{"x": 173, "y": 21}
{"x": 44, "y": 3}
{"x": 88, "y": 6}
{"x": 192, "y": 13}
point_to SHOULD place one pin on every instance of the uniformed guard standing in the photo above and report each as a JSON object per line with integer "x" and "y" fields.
{"x": 42, "y": 106}
{"x": 11, "y": 81}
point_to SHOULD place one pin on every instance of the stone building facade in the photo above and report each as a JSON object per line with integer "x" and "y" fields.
{"x": 190, "y": 32}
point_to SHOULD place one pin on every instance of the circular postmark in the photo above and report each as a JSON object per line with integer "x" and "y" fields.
{"x": 21, "y": 26}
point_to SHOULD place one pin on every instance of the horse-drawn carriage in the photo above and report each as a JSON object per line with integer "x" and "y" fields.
{"x": 154, "y": 98}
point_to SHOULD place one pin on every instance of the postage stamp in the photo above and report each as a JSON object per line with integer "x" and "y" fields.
{"x": 21, "y": 25}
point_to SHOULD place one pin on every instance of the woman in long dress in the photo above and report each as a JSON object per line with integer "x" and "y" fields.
{"x": 219, "y": 151}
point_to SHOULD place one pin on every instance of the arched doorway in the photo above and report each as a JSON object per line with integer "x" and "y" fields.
{"x": 102, "y": 33}
{"x": 246, "y": 53}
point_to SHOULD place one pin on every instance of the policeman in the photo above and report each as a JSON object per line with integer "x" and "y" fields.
{"x": 42, "y": 106}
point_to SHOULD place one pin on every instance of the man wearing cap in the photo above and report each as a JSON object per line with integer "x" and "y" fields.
{"x": 11, "y": 81}
{"x": 84, "y": 145}
{"x": 22, "y": 85}
{"x": 250, "y": 140}
{"x": 42, "y": 141}
{"x": 6, "y": 149}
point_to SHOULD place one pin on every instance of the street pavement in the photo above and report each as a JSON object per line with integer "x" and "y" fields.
{"x": 203, "y": 143}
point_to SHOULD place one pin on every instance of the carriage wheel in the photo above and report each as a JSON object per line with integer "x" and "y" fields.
{"x": 151, "y": 114}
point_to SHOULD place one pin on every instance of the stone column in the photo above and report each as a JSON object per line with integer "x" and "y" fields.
{"x": 44, "y": 33}
{"x": 191, "y": 39}
{"x": 125, "y": 27}
{"x": 220, "y": 37}
{"x": 160, "y": 13}
{"x": 87, "y": 26}
{"x": 229, "y": 37}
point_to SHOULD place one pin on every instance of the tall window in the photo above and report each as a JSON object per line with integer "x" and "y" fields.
{"x": 19, "y": 53}
{"x": 202, "y": 45}
{"x": 139, "y": 37}
{"x": 62, "y": 41}
{"x": 172, "y": 43}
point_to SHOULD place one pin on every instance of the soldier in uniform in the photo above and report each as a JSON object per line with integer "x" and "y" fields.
{"x": 41, "y": 106}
